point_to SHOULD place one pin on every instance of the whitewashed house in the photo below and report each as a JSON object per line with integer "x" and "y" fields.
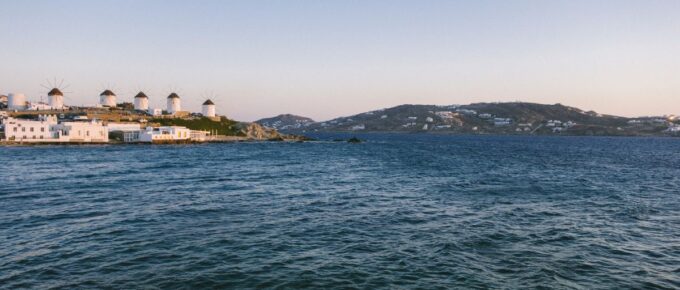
{"x": 123, "y": 127}
{"x": 502, "y": 121}
{"x": 82, "y": 132}
{"x": 165, "y": 134}
{"x": 30, "y": 130}
{"x": 445, "y": 115}
{"x": 48, "y": 130}
{"x": 358, "y": 127}
{"x": 38, "y": 106}
{"x": 155, "y": 112}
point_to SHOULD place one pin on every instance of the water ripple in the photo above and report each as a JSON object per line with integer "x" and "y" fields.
{"x": 398, "y": 211}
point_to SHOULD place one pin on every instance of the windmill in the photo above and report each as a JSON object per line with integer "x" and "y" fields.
{"x": 107, "y": 98}
{"x": 208, "y": 107}
{"x": 174, "y": 104}
{"x": 141, "y": 100}
{"x": 55, "y": 94}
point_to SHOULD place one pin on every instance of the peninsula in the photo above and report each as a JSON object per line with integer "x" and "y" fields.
{"x": 54, "y": 122}
{"x": 511, "y": 118}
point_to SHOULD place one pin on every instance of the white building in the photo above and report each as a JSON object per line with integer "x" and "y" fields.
{"x": 16, "y": 102}
{"x": 466, "y": 111}
{"x": 47, "y": 130}
{"x": 55, "y": 99}
{"x": 155, "y": 112}
{"x": 358, "y": 127}
{"x": 445, "y": 115}
{"x": 174, "y": 105}
{"x": 208, "y": 108}
{"x": 673, "y": 128}
{"x": 167, "y": 134}
{"x": 35, "y": 130}
{"x": 123, "y": 127}
{"x": 107, "y": 99}
{"x": 38, "y": 106}
{"x": 141, "y": 102}
{"x": 83, "y": 132}
{"x": 502, "y": 121}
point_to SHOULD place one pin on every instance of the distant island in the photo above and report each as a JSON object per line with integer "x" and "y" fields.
{"x": 511, "y": 118}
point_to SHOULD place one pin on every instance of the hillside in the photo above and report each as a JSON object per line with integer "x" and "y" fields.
{"x": 223, "y": 127}
{"x": 493, "y": 118}
{"x": 286, "y": 122}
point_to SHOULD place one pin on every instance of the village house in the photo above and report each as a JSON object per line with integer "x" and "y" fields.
{"x": 165, "y": 134}
{"x": 46, "y": 129}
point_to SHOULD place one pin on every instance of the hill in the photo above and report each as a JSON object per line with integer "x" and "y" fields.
{"x": 492, "y": 118}
{"x": 286, "y": 122}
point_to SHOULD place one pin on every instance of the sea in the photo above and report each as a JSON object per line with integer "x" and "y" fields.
{"x": 397, "y": 211}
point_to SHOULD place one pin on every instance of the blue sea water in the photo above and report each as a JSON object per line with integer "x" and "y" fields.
{"x": 395, "y": 212}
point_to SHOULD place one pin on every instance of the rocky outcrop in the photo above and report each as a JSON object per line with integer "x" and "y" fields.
{"x": 258, "y": 132}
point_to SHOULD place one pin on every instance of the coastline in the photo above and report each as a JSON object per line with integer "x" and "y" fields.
{"x": 222, "y": 139}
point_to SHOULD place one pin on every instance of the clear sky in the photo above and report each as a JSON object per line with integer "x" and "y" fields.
{"x": 325, "y": 59}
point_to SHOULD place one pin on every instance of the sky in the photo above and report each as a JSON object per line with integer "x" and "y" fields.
{"x": 326, "y": 59}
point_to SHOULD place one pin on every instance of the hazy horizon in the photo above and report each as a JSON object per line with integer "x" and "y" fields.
{"x": 336, "y": 58}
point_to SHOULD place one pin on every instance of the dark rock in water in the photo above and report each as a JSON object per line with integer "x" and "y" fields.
{"x": 354, "y": 140}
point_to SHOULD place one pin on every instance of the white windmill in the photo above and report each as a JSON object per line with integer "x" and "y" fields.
{"x": 173, "y": 103}
{"x": 55, "y": 95}
{"x": 208, "y": 108}
{"x": 107, "y": 98}
{"x": 141, "y": 101}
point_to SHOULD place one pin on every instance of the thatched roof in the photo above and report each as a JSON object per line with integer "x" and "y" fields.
{"x": 55, "y": 92}
{"x": 107, "y": 93}
{"x": 208, "y": 102}
{"x": 173, "y": 96}
{"x": 141, "y": 95}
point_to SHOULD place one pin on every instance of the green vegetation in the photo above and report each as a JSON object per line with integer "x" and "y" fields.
{"x": 223, "y": 127}
{"x": 125, "y": 106}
